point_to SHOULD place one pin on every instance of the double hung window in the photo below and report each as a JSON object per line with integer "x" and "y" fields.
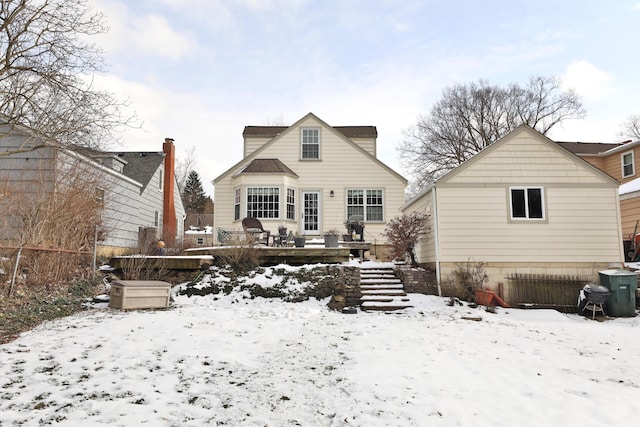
{"x": 310, "y": 147}
{"x": 367, "y": 203}
{"x": 628, "y": 168}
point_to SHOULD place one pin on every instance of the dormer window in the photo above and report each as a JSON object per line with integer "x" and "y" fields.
{"x": 310, "y": 144}
{"x": 628, "y": 166}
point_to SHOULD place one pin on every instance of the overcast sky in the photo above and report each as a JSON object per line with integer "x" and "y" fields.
{"x": 200, "y": 70}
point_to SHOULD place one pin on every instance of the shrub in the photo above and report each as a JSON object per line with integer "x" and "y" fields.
{"x": 467, "y": 278}
{"x": 240, "y": 256}
{"x": 403, "y": 233}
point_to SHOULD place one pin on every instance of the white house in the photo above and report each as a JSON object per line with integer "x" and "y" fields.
{"x": 524, "y": 204}
{"x": 135, "y": 188}
{"x": 309, "y": 177}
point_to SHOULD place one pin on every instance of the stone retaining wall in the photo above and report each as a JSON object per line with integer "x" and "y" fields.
{"x": 417, "y": 280}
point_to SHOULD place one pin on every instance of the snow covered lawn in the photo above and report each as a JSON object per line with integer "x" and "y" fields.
{"x": 264, "y": 362}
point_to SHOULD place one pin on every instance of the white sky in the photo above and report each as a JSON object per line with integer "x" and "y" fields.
{"x": 200, "y": 70}
{"x": 235, "y": 361}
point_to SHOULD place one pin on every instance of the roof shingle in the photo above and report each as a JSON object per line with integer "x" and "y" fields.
{"x": 267, "y": 166}
{"x": 348, "y": 131}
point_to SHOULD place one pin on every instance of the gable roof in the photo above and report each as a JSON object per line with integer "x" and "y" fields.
{"x": 273, "y": 131}
{"x": 587, "y": 148}
{"x": 288, "y": 129}
{"x": 267, "y": 166}
{"x": 495, "y": 145}
{"x": 539, "y": 137}
{"x": 141, "y": 165}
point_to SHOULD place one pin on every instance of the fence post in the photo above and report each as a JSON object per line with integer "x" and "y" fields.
{"x": 15, "y": 271}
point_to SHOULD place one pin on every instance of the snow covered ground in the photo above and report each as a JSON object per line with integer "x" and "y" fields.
{"x": 262, "y": 362}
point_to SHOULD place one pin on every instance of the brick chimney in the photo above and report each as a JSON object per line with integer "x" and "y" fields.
{"x": 169, "y": 221}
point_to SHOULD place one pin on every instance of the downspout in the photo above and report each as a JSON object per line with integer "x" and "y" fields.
{"x": 436, "y": 239}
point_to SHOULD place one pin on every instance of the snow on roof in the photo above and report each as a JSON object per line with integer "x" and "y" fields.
{"x": 629, "y": 187}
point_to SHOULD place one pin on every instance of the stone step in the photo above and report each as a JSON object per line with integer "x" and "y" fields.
{"x": 376, "y": 271}
{"x": 383, "y": 298}
{"x": 384, "y": 306}
{"x": 377, "y": 276}
{"x": 381, "y": 286}
{"x": 382, "y": 290}
{"x": 380, "y": 282}
{"x": 394, "y": 292}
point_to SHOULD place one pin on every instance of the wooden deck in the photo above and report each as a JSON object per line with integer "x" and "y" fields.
{"x": 184, "y": 262}
{"x": 197, "y": 258}
{"x": 285, "y": 255}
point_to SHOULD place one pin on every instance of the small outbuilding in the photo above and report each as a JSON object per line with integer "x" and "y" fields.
{"x": 524, "y": 205}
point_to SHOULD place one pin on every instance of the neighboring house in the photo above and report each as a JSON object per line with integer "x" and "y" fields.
{"x": 621, "y": 162}
{"x": 199, "y": 236}
{"x": 522, "y": 205}
{"x": 309, "y": 177}
{"x": 202, "y": 219}
{"x": 136, "y": 189}
{"x": 199, "y": 226}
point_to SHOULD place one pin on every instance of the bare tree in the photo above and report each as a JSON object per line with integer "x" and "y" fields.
{"x": 470, "y": 117}
{"x": 630, "y": 129}
{"x": 46, "y": 69}
{"x": 184, "y": 165}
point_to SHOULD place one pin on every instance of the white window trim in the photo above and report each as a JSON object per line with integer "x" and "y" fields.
{"x": 237, "y": 201}
{"x": 279, "y": 210}
{"x": 319, "y": 143}
{"x": 364, "y": 194}
{"x": 526, "y": 204}
{"x": 633, "y": 163}
{"x": 287, "y": 204}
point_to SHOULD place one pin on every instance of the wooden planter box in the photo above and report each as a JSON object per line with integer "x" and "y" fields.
{"x": 132, "y": 294}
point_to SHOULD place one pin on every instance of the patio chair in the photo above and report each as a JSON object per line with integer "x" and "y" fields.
{"x": 223, "y": 236}
{"x": 254, "y": 230}
{"x": 280, "y": 238}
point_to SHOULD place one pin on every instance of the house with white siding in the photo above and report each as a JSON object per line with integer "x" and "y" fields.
{"x": 309, "y": 177}
{"x": 136, "y": 189}
{"x": 522, "y": 205}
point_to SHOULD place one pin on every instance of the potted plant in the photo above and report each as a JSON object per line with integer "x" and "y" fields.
{"x": 299, "y": 240}
{"x": 331, "y": 238}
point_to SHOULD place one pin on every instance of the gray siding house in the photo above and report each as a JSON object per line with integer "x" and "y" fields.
{"x": 137, "y": 189}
